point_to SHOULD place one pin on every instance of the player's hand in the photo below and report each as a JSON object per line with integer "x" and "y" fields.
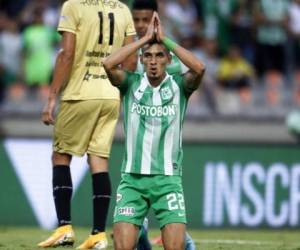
{"x": 47, "y": 115}
{"x": 160, "y": 34}
{"x": 150, "y": 34}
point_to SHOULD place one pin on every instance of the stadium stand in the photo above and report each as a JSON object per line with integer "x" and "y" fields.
{"x": 268, "y": 98}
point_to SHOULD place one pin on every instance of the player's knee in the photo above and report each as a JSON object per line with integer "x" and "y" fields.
{"x": 61, "y": 159}
{"x": 122, "y": 241}
{"x": 97, "y": 164}
{"x": 123, "y": 244}
{"x": 174, "y": 245}
{"x": 125, "y": 236}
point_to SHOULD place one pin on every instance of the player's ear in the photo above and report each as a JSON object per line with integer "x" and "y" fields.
{"x": 169, "y": 58}
{"x": 168, "y": 54}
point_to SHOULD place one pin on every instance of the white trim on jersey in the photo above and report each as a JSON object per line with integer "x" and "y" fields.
{"x": 178, "y": 131}
{"x": 141, "y": 89}
{"x": 148, "y": 137}
{"x": 133, "y": 125}
{"x": 170, "y": 133}
{"x": 150, "y": 129}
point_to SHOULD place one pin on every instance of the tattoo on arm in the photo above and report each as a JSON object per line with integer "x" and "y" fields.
{"x": 192, "y": 81}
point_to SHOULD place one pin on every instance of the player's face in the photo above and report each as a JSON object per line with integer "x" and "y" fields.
{"x": 155, "y": 59}
{"x": 142, "y": 19}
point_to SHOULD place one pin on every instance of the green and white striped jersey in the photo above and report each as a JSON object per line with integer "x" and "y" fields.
{"x": 153, "y": 119}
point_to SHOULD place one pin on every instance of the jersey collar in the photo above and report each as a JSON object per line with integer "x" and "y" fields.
{"x": 160, "y": 85}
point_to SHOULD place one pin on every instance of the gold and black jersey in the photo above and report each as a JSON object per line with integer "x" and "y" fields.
{"x": 100, "y": 27}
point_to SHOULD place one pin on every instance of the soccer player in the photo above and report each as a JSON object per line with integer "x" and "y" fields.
{"x": 142, "y": 12}
{"x": 89, "y": 108}
{"x": 154, "y": 105}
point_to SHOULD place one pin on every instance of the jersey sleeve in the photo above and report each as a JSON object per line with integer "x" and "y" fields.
{"x": 130, "y": 30}
{"x": 69, "y": 18}
{"x": 128, "y": 82}
{"x": 179, "y": 79}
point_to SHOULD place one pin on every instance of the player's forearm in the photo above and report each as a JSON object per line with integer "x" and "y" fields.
{"x": 120, "y": 55}
{"x": 62, "y": 70}
{"x": 130, "y": 63}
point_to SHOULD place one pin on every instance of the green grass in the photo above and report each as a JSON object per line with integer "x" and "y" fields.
{"x": 12, "y": 238}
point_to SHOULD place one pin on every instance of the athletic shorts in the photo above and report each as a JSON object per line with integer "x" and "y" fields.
{"x": 85, "y": 127}
{"x": 137, "y": 193}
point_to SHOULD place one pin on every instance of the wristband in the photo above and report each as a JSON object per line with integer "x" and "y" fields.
{"x": 171, "y": 45}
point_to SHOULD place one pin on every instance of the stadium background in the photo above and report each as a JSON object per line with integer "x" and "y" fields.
{"x": 242, "y": 164}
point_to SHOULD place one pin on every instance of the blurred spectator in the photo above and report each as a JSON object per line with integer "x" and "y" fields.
{"x": 51, "y": 13}
{"x": 259, "y": 28}
{"x": 2, "y": 84}
{"x": 296, "y": 90}
{"x": 39, "y": 41}
{"x": 168, "y": 23}
{"x": 234, "y": 76}
{"x": 10, "y": 56}
{"x": 241, "y": 28}
{"x": 194, "y": 106}
{"x": 49, "y": 9}
{"x": 271, "y": 18}
{"x": 274, "y": 92}
{"x": 294, "y": 27}
{"x": 12, "y": 8}
{"x": 217, "y": 16}
{"x": 184, "y": 18}
{"x": 273, "y": 96}
{"x": 208, "y": 52}
{"x": 234, "y": 71}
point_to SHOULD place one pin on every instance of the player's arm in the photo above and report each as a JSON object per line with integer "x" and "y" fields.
{"x": 130, "y": 63}
{"x": 62, "y": 70}
{"x": 192, "y": 78}
{"x": 111, "y": 64}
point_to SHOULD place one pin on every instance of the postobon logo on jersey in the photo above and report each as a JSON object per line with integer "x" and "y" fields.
{"x": 154, "y": 111}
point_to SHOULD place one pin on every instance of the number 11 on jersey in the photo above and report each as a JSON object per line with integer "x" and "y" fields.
{"x": 111, "y": 27}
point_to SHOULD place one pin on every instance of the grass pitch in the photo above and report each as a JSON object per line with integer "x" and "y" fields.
{"x": 16, "y": 238}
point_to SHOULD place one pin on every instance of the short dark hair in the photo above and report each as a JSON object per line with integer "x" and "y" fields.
{"x": 148, "y": 45}
{"x": 145, "y": 5}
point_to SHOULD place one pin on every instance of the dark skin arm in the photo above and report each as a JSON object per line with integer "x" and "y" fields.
{"x": 62, "y": 70}
{"x": 192, "y": 78}
{"x": 131, "y": 62}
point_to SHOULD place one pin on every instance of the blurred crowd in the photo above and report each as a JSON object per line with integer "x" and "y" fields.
{"x": 251, "y": 49}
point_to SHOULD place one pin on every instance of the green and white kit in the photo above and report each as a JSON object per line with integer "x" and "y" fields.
{"x": 152, "y": 166}
{"x": 153, "y": 119}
